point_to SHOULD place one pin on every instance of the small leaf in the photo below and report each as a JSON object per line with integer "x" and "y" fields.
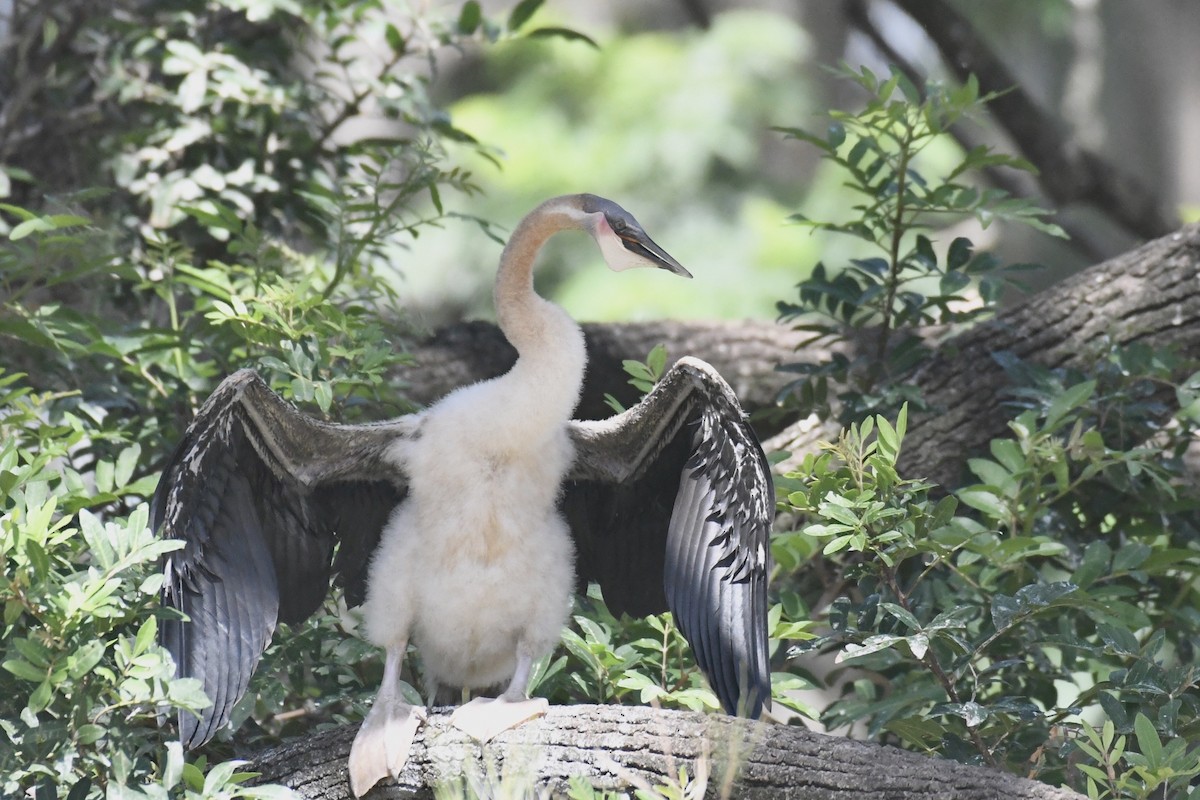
{"x": 172, "y": 771}
{"x": 126, "y": 463}
{"x": 553, "y": 32}
{"x": 1071, "y": 399}
{"x": 522, "y": 12}
{"x": 1148, "y": 741}
{"x": 1119, "y": 639}
{"x": 902, "y": 614}
{"x": 1004, "y": 609}
{"x": 985, "y": 501}
{"x": 469, "y": 17}
{"x": 29, "y": 226}
{"x": 873, "y": 644}
{"x": 919, "y": 644}
{"x": 89, "y": 733}
{"x": 395, "y": 39}
{"x": 24, "y": 670}
{"x": 952, "y": 283}
{"x": 1130, "y": 556}
{"x": 1095, "y": 563}
{"x": 959, "y": 253}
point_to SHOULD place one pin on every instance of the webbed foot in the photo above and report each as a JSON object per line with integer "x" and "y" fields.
{"x": 383, "y": 743}
{"x": 484, "y": 718}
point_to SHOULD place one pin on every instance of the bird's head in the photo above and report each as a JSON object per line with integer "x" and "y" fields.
{"x": 622, "y": 241}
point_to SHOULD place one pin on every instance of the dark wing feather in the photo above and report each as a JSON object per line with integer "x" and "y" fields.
{"x": 671, "y": 506}
{"x": 260, "y": 494}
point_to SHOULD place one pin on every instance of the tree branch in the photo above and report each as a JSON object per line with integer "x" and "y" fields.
{"x": 1145, "y": 296}
{"x": 745, "y": 353}
{"x": 1068, "y": 173}
{"x": 616, "y": 747}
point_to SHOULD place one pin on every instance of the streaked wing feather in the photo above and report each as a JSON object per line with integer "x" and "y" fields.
{"x": 714, "y": 538}
{"x": 247, "y": 490}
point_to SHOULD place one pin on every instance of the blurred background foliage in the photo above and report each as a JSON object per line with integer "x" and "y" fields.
{"x": 192, "y": 186}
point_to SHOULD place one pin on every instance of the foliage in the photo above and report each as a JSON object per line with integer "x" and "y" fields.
{"x": 1005, "y": 615}
{"x": 642, "y": 375}
{"x": 878, "y": 302}
{"x": 241, "y": 222}
{"x": 83, "y": 679}
{"x": 1039, "y": 620}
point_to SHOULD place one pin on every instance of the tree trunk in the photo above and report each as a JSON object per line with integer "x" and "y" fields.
{"x": 1148, "y": 296}
{"x": 619, "y": 748}
{"x": 745, "y": 352}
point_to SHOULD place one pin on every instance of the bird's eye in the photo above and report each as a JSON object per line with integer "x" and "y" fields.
{"x": 618, "y": 225}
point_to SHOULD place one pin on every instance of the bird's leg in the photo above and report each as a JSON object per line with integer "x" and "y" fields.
{"x": 383, "y": 742}
{"x": 483, "y": 718}
{"x": 431, "y": 692}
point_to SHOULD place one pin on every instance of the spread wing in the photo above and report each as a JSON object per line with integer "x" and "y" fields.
{"x": 260, "y": 494}
{"x": 671, "y": 505}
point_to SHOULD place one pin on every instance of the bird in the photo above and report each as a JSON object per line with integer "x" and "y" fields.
{"x": 465, "y": 529}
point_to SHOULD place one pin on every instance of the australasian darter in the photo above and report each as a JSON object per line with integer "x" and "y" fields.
{"x": 466, "y": 527}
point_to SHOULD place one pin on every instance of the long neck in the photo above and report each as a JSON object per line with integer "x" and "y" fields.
{"x": 549, "y": 343}
{"x": 523, "y": 316}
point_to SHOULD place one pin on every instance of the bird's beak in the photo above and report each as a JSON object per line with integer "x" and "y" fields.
{"x": 638, "y": 243}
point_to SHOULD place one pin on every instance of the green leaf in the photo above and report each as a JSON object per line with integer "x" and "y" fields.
{"x": 553, "y": 32}
{"x": 1070, "y": 399}
{"x": 953, "y": 282}
{"x": 1008, "y": 453}
{"x": 1119, "y": 639}
{"x": 522, "y": 12}
{"x": 1004, "y": 609}
{"x": 193, "y": 777}
{"x": 172, "y": 771}
{"x": 41, "y": 698}
{"x": 29, "y": 226}
{"x": 1096, "y": 558}
{"x": 24, "y": 670}
{"x": 902, "y": 614}
{"x": 872, "y": 644}
{"x": 146, "y": 636}
{"x": 126, "y": 464}
{"x": 889, "y": 441}
{"x": 1148, "y": 741}
{"x": 395, "y": 39}
{"x": 959, "y": 253}
{"x": 85, "y": 659}
{"x": 89, "y": 733}
{"x": 657, "y": 359}
{"x": 1129, "y": 556}
{"x": 469, "y": 17}
{"x": 985, "y": 501}
{"x": 990, "y": 472}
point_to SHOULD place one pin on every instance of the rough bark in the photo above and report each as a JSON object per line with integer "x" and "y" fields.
{"x": 1150, "y": 296}
{"x": 745, "y": 352}
{"x": 616, "y": 747}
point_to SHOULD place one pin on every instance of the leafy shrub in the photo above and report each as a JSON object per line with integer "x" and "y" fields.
{"x": 879, "y": 301}
{"x": 1040, "y": 620}
{"x": 238, "y": 226}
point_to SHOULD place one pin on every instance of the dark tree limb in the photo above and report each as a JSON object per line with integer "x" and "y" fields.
{"x": 615, "y": 747}
{"x": 1150, "y": 296}
{"x": 1069, "y": 173}
{"x": 745, "y": 353}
